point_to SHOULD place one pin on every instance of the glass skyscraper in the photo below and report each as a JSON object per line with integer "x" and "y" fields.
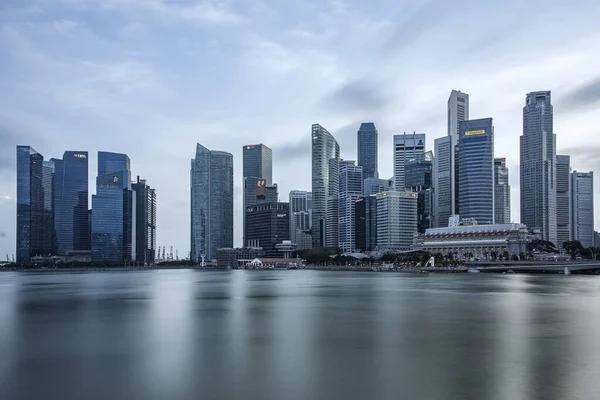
{"x": 443, "y": 192}
{"x": 71, "y": 219}
{"x": 145, "y": 229}
{"x": 367, "y": 149}
{"x": 34, "y": 202}
{"x": 406, "y": 147}
{"x": 501, "y": 192}
{"x": 418, "y": 180}
{"x": 538, "y": 166}
{"x": 563, "y": 199}
{"x": 211, "y": 184}
{"x": 476, "y": 170}
{"x": 113, "y": 210}
{"x": 325, "y": 187}
{"x": 582, "y": 207}
{"x": 257, "y": 175}
{"x": 351, "y": 189}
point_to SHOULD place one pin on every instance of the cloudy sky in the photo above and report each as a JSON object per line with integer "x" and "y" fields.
{"x": 150, "y": 78}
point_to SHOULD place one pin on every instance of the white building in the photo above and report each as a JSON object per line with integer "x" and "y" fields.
{"x": 443, "y": 189}
{"x": 582, "y": 207}
{"x": 406, "y": 147}
{"x": 351, "y": 188}
{"x": 396, "y": 220}
{"x": 300, "y": 210}
{"x": 458, "y": 111}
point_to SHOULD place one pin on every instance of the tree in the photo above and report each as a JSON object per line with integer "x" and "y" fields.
{"x": 573, "y": 247}
{"x": 506, "y": 255}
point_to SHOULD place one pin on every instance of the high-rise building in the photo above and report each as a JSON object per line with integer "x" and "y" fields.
{"x": 48, "y": 236}
{"x": 34, "y": 202}
{"x": 376, "y": 185}
{"x": 582, "y": 207}
{"x": 113, "y": 236}
{"x": 211, "y": 176}
{"x": 367, "y": 149}
{"x": 443, "y": 188}
{"x": 418, "y": 180}
{"x": 300, "y": 203}
{"x": 563, "y": 199}
{"x": 458, "y": 111}
{"x": 538, "y": 166}
{"x": 396, "y": 220}
{"x": 325, "y": 187}
{"x": 71, "y": 211}
{"x": 365, "y": 234}
{"x": 406, "y": 147}
{"x": 267, "y": 225}
{"x": 476, "y": 170}
{"x": 501, "y": 192}
{"x": 257, "y": 175}
{"x": 145, "y": 229}
{"x": 351, "y": 189}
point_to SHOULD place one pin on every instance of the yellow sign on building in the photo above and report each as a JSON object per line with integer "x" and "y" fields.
{"x": 471, "y": 133}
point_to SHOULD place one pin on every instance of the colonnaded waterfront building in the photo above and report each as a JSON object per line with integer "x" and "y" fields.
{"x": 475, "y": 241}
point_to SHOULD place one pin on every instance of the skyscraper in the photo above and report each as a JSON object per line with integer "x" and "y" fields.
{"x": 458, "y": 111}
{"x": 501, "y": 192}
{"x": 396, "y": 220}
{"x": 563, "y": 199}
{"x": 113, "y": 210}
{"x": 267, "y": 225}
{"x": 325, "y": 187}
{"x": 418, "y": 180}
{"x": 443, "y": 191}
{"x": 71, "y": 219}
{"x": 582, "y": 207}
{"x": 406, "y": 147}
{"x": 211, "y": 182}
{"x": 538, "y": 166}
{"x": 351, "y": 189}
{"x": 367, "y": 149}
{"x": 34, "y": 196}
{"x": 365, "y": 234}
{"x": 476, "y": 170}
{"x": 300, "y": 203}
{"x": 145, "y": 229}
{"x": 257, "y": 175}
{"x": 376, "y": 185}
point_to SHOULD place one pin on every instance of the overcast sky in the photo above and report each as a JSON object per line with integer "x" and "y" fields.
{"x": 150, "y": 78}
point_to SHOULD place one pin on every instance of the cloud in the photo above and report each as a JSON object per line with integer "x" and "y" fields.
{"x": 358, "y": 95}
{"x": 290, "y": 152}
{"x": 584, "y": 96}
{"x": 64, "y": 25}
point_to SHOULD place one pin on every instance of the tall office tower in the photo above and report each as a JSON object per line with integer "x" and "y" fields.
{"x": 211, "y": 177}
{"x": 145, "y": 229}
{"x": 34, "y": 202}
{"x": 257, "y": 176}
{"x": 365, "y": 211}
{"x": 443, "y": 204}
{"x": 375, "y": 185}
{"x": 582, "y": 207}
{"x": 476, "y": 170}
{"x": 406, "y": 147}
{"x": 396, "y": 220}
{"x": 113, "y": 210}
{"x": 299, "y": 201}
{"x": 563, "y": 200}
{"x": 538, "y": 166}
{"x": 267, "y": 225}
{"x": 71, "y": 214}
{"x": 458, "y": 111}
{"x": 325, "y": 187}
{"x": 501, "y": 192}
{"x": 48, "y": 236}
{"x": 418, "y": 180}
{"x": 367, "y": 149}
{"x": 351, "y": 189}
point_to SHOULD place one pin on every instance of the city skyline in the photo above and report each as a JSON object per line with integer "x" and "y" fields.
{"x": 113, "y": 95}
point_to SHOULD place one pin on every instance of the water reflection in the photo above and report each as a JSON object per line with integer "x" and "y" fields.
{"x": 298, "y": 334}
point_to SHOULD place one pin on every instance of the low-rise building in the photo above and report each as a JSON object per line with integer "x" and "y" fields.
{"x": 475, "y": 241}
{"x": 238, "y": 257}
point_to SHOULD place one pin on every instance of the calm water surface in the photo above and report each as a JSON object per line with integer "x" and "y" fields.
{"x": 298, "y": 335}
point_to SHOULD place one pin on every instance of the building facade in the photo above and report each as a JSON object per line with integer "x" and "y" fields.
{"x": 211, "y": 183}
{"x": 476, "y": 170}
{"x": 406, "y": 147}
{"x": 351, "y": 189}
{"x": 300, "y": 205}
{"x": 267, "y": 225}
{"x": 257, "y": 175}
{"x": 367, "y": 149}
{"x": 458, "y": 111}
{"x": 34, "y": 219}
{"x": 376, "y": 185}
{"x": 396, "y": 220}
{"x": 582, "y": 207}
{"x": 501, "y": 192}
{"x": 563, "y": 200}
{"x": 145, "y": 229}
{"x": 443, "y": 189}
{"x": 365, "y": 234}
{"x": 71, "y": 215}
{"x": 418, "y": 179}
{"x": 538, "y": 166}
{"x": 325, "y": 187}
